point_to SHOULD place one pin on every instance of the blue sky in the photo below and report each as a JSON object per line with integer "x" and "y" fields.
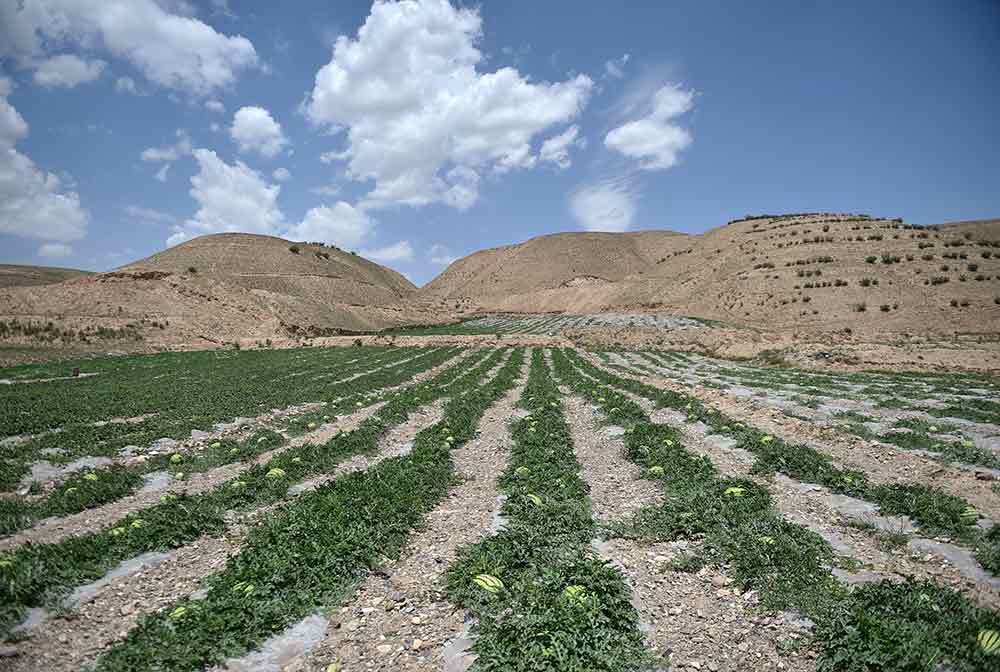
{"x": 419, "y": 131}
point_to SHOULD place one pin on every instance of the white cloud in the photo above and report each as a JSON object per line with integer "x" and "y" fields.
{"x": 441, "y": 255}
{"x": 33, "y": 203}
{"x": 419, "y": 119}
{"x": 67, "y": 70}
{"x": 328, "y": 190}
{"x": 230, "y": 198}
{"x": 55, "y": 250}
{"x": 616, "y": 67}
{"x": 254, "y": 130}
{"x": 655, "y": 140}
{"x": 126, "y": 85}
{"x": 281, "y": 174}
{"x": 401, "y": 251}
{"x": 148, "y": 215}
{"x": 170, "y": 47}
{"x": 215, "y": 106}
{"x": 161, "y": 174}
{"x": 169, "y": 153}
{"x": 556, "y": 149}
{"x": 330, "y": 157}
{"x": 342, "y": 225}
{"x": 608, "y": 205}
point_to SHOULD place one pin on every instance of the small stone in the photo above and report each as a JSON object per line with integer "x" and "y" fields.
{"x": 417, "y": 644}
{"x": 125, "y": 609}
{"x": 352, "y": 625}
{"x": 384, "y": 649}
{"x": 416, "y": 620}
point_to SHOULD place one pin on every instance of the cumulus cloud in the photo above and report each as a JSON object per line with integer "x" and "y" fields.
{"x": 67, "y": 71}
{"x": 137, "y": 213}
{"x": 55, "y": 250}
{"x": 616, "y": 67}
{"x": 170, "y": 47}
{"x": 607, "y": 205}
{"x": 401, "y": 251}
{"x": 281, "y": 174}
{"x": 556, "y": 149}
{"x": 419, "y": 118}
{"x": 655, "y": 140}
{"x": 33, "y": 204}
{"x": 255, "y": 130}
{"x": 230, "y": 198}
{"x": 171, "y": 152}
{"x": 342, "y": 225}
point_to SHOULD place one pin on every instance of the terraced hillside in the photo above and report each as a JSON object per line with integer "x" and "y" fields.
{"x": 804, "y": 273}
{"x": 427, "y": 508}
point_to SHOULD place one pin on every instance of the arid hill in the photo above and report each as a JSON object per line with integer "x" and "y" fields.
{"x": 816, "y": 272}
{"x": 14, "y": 275}
{"x": 220, "y": 288}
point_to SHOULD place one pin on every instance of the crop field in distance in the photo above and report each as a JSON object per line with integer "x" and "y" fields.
{"x": 495, "y": 508}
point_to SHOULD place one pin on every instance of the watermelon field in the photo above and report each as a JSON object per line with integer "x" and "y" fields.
{"x": 495, "y": 509}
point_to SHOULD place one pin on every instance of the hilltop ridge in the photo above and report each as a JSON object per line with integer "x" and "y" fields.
{"x": 789, "y": 272}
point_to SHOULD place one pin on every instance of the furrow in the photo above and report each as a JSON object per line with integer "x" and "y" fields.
{"x": 54, "y": 530}
{"x": 307, "y": 555}
{"x": 781, "y": 564}
{"x": 116, "y": 606}
{"x": 538, "y": 574}
{"x": 182, "y": 518}
{"x": 853, "y": 528}
{"x": 693, "y": 619}
{"x": 162, "y": 482}
{"x": 400, "y": 618}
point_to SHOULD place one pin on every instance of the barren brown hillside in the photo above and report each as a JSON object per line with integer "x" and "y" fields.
{"x": 818, "y": 272}
{"x": 217, "y": 289}
{"x": 14, "y": 275}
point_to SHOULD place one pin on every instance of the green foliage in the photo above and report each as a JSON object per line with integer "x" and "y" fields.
{"x": 914, "y": 626}
{"x": 311, "y": 553}
{"x": 561, "y": 608}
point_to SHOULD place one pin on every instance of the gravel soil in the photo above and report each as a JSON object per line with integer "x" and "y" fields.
{"x": 55, "y": 529}
{"x": 696, "y": 621}
{"x": 830, "y": 516}
{"x": 882, "y": 462}
{"x": 71, "y": 638}
{"x": 400, "y": 618}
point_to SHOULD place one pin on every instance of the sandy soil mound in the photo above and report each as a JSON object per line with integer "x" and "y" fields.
{"x": 13, "y": 275}
{"x": 218, "y": 289}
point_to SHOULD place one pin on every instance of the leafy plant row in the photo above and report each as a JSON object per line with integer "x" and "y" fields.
{"x": 934, "y": 511}
{"x": 101, "y": 486}
{"x": 947, "y": 450}
{"x": 543, "y": 599}
{"x": 34, "y": 575}
{"x": 181, "y": 409}
{"x": 911, "y": 626}
{"x": 310, "y": 555}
